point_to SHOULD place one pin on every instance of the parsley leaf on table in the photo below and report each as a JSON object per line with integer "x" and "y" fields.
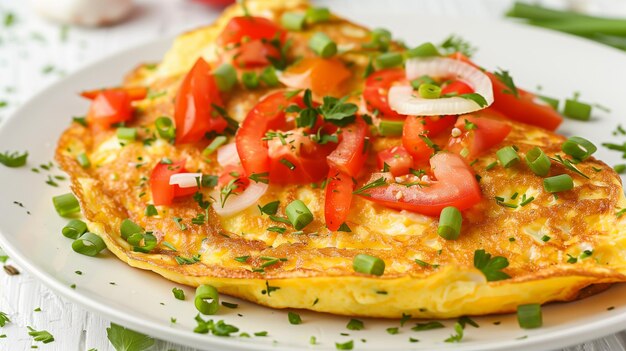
{"x": 124, "y": 339}
{"x": 491, "y": 266}
{"x": 4, "y": 319}
{"x": 41, "y": 335}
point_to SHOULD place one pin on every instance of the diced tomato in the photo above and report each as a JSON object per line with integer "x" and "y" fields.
{"x": 338, "y": 198}
{"x": 250, "y": 28}
{"x": 523, "y": 108}
{"x": 376, "y": 88}
{"x": 109, "y": 107}
{"x": 134, "y": 93}
{"x": 268, "y": 114}
{"x": 231, "y": 172}
{"x": 322, "y": 76}
{"x": 162, "y": 192}
{"x": 455, "y": 186}
{"x": 485, "y": 132}
{"x": 249, "y": 37}
{"x": 351, "y": 153}
{"x": 194, "y": 113}
{"x": 456, "y": 86}
{"x": 397, "y": 159}
{"x": 414, "y": 130}
{"x": 300, "y": 160}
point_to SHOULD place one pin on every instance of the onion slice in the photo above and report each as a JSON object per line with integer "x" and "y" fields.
{"x": 185, "y": 180}
{"x": 404, "y": 100}
{"x": 237, "y": 203}
{"x": 227, "y": 155}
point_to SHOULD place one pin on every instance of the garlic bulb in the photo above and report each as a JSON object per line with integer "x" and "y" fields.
{"x": 84, "y": 12}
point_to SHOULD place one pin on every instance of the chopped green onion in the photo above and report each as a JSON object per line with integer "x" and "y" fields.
{"x": 621, "y": 168}
{"x": 450, "y": 223}
{"x": 529, "y": 316}
{"x": 66, "y": 204}
{"x": 322, "y": 45}
{"x": 269, "y": 77}
{"x": 128, "y": 228}
{"x": 577, "y": 110}
{"x": 294, "y": 318}
{"x": 142, "y": 242}
{"x": 299, "y": 215}
{"x": 507, "y": 156}
{"x": 388, "y": 60}
{"x": 293, "y": 20}
{"x": 391, "y": 128}
{"x": 381, "y": 38}
{"x": 74, "y": 228}
{"x": 367, "y": 264}
{"x": 88, "y": 244}
{"x": 550, "y": 101}
{"x": 558, "y": 183}
{"x": 151, "y": 210}
{"x": 317, "y": 14}
{"x": 225, "y": 77}
{"x": 13, "y": 159}
{"x": 214, "y": 145}
{"x": 429, "y": 91}
{"x": 424, "y": 50}
{"x": 538, "y": 162}
{"x": 250, "y": 80}
{"x": 348, "y": 345}
{"x": 179, "y": 294}
{"x": 128, "y": 134}
{"x": 207, "y": 299}
{"x": 579, "y": 148}
{"x": 83, "y": 160}
{"x": 415, "y": 83}
{"x": 355, "y": 324}
{"x": 165, "y": 128}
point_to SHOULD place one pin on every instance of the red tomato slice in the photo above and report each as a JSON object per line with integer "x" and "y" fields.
{"x": 109, "y": 107}
{"x": 338, "y": 198}
{"x": 162, "y": 192}
{"x": 456, "y": 86}
{"x": 455, "y": 186}
{"x": 523, "y": 108}
{"x": 486, "y": 134}
{"x": 299, "y": 161}
{"x": 414, "y": 127}
{"x": 253, "y": 54}
{"x": 351, "y": 154}
{"x": 376, "y": 88}
{"x": 194, "y": 105}
{"x": 251, "y": 28}
{"x": 398, "y": 160}
{"x": 134, "y": 93}
{"x": 322, "y": 76}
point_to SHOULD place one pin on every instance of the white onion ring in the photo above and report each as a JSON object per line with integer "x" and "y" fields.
{"x": 185, "y": 180}
{"x": 227, "y": 155}
{"x": 237, "y": 203}
{"x": 404, "y": 100}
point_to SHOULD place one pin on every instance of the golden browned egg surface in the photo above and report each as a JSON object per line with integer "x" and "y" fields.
{"x": 317, "y": 273}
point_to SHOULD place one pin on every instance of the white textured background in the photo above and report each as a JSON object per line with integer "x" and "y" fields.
{"x": 34, "y": 54}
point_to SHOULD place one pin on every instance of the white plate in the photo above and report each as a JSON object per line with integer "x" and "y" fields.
{"x": 143, "y": 300}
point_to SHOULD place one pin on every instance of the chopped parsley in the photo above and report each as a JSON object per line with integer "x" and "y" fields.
{"x": 491, "y": 266}
{"x": 178, "y": 221}
{"x": 405, "y": 318}
{"x": 294, "y": 318}
{"x": 4, "y": 319}
{"x": 393, "y": 330}
{"x": 355, "y": 324}
{"x": 506, "y": 79}
{"x": 458, "y": 336}
{"x": 13, "y": 159}
{"x": 344, "y": 228}
{"x": 455, "y": 43}
{"x": 428, "y": 326}
{"x": 179, "y": 294}
{"x": 464, "y": 320}
{"x": 338, "y": 111}
{"x": 41, "y": 335}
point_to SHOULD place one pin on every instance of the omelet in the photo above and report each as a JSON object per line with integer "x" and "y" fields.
{"x": 559, "y": 248}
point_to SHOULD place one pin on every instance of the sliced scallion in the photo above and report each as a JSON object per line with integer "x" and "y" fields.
{"x": 293, "y": 20}
{"x": 299, "y": 215}
{"x": 529, "y": 316}
{"x": 429, "y": 91}
{"x": 577, "y": 110}
{"x": 388, "y": 60}
{"x": 268, "y": 77}
{"x": 128, "y": 228}
{"x": 550, "y": 101}
{"x": 367, "y": 264}
{"x": 165, "y": 128}
{"x": 450, "y": 223}
{"x": 558, "y": 183}
{"x": 83, "y": 160}
{"x": 579, "y": 148}
{"x": 142, "y": 242}
{"x": 322, "y": 45}
{"x": 66, "y": 204}
{"x": 207, "y": 299}
{"x": 88, "y": 244}
{"x": 317, "y": 14}
{"x": 127, "y": 134}
{"x": 151, "y": 210}
{"x": 507, "y": 156}
{"x": 214, "y": 145}
{"x": 538, "y": 162}
{"x": 250, "y": 80}
{"x": 74, "y": 228}
{"x": 225, "y": 77}
{"x": 424, "y": 50}
{"x": 391, "y": 128}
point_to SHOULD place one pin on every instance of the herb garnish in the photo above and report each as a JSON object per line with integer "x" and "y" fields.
{"x": 179, "y": 294}
{"x": 428, "y": 326}
{"x": 458, "y": 328}
{"x": 506, "y": 79}
{"x": 491, "y": 267}
{"x": 455, "y": 43}
{"x": 4, "y": 319}
{"x": 40, "y": 335}
{"x": 376, "y": 183}
{"x": 13, "y": 159}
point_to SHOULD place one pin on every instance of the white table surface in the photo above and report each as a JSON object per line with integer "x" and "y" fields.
{"x": 35, "y": 53}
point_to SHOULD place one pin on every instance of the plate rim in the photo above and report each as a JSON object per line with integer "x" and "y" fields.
{"x": 560, "y": 338}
